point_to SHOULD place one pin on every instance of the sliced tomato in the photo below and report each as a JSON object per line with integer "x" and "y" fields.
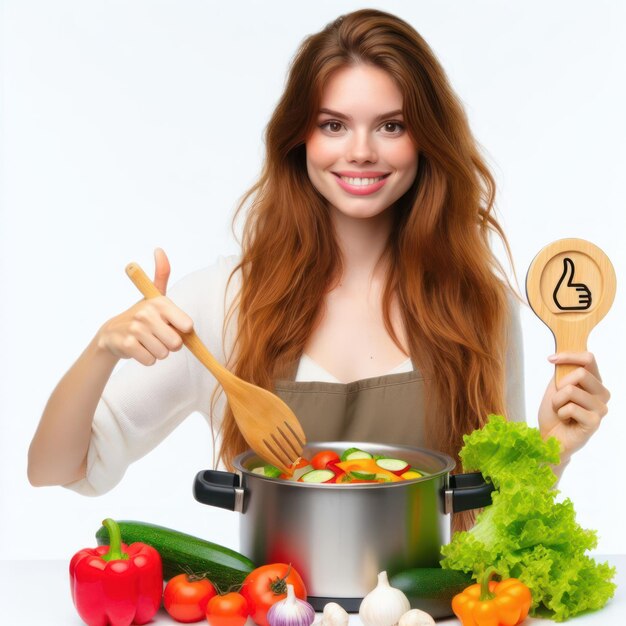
{"x": 323, "y": 458}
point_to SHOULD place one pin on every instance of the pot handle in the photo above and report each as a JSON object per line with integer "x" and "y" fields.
{"x": 467, "y": 491}
{"x": 218, "y": 488}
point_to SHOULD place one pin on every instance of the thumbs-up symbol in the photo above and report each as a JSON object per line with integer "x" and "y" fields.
{"x": 568, "y": 295}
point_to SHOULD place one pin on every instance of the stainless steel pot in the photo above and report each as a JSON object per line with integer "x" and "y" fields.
{"x": 339, "y": 537}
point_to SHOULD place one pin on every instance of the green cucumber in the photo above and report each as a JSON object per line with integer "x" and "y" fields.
{"x": 179, "y": 551}
{"x": 431, "y": 589}
{"x": 317, "y": 476}
{"x": 383, "y": 477}
{"x": 353, "y": 454}
{"x": 393, "y": 465}
{"x": 362, "y": 475}
{"x": 267, "y": 470}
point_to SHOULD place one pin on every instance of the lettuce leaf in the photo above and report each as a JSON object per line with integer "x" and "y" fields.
{"x": 525, "y": 533}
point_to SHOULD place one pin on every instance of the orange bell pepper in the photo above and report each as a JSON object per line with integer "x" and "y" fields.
{"x": 367, "y": 466}
{"x": 301, "y": 462}
{"x": 490, "y": 603}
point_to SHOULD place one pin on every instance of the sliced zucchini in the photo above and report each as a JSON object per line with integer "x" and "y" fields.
{"x": 317, "y": 476}
{"x": 383, "y": 478}
{"x": 267, "y": 470}
{"x": 393, "y": 465}
{"x": 362, "y": 475}
{"x": 301, "y": 471}
{"x": 352, "y": 454}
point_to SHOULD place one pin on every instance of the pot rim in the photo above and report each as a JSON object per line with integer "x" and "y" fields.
{"x": 447, "y": 462}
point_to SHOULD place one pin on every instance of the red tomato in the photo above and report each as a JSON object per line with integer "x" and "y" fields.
{"x": 186, "y": 598}
{"x": 231, "y": 609}
{"x": 321, "y": 459}
{"x": 266, "y": 585}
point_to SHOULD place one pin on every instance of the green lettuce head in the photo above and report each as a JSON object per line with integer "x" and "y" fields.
{"x": 525, "y": 533}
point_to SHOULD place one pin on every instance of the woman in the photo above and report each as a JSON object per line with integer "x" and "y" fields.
{"x": 366, "y": 294}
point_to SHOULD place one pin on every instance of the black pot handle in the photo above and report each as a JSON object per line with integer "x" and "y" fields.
{"x": 466, "y": 492}
{"x": 218, "y": 488}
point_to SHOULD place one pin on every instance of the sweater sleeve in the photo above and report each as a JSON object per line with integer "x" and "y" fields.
{"x": 141, "y": 405}
{"x": 515, "y": 403}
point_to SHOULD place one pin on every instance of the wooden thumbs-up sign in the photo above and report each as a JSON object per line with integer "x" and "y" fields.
{"x": 570, "y": 285}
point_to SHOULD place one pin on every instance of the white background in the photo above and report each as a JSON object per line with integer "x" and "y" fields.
{"x": 133, "y": 124}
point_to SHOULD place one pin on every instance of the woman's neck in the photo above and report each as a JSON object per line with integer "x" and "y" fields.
{"x": 362, "y": 242}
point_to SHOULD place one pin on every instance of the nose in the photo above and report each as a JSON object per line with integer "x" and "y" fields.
{"x": 361, "y": 148}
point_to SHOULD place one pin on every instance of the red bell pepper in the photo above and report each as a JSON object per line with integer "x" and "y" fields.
{"x": 116, "y": 585}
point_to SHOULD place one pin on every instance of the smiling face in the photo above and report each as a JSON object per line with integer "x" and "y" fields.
{"x": 360, "y": 156}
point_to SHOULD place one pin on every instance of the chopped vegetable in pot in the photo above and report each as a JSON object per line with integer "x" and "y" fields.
{"x": 346, "y": 468}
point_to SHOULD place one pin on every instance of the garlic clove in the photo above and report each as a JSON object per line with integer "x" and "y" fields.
{"x": 334, "y": 615}
{"x": 415, "y": 617}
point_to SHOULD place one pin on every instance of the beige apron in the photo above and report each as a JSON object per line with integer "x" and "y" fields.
{"x": 388, "y": 409}
{"x": 385, "y": 409}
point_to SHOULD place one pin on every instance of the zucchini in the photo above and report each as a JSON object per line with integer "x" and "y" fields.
{"x": 352, "y": 454}
{"x": 222, "y": 566}
{"x": 431, "y": 589}
{"x": 317, "y": 476}
{"x": 267, "y": 470}
{"x": 362, "y": 475}
{"x": 397, "y": 466}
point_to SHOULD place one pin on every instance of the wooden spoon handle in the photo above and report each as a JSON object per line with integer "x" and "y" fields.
{"x": 190, "y": 339}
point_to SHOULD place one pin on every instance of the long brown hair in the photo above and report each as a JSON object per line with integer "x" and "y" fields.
{"x": 441, "y": 268}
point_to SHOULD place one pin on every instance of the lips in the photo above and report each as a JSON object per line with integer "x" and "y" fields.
{"x": 361, "y": 183}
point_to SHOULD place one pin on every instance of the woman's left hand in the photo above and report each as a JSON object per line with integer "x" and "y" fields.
{"x": 573, "y": 412}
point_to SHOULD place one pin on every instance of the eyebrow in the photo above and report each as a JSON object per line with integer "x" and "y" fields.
{"x": 349, "y": 118}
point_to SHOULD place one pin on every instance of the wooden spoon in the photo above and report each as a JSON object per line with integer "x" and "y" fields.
{"x": 267, "y": 424}
{"x": 570, "y": 285}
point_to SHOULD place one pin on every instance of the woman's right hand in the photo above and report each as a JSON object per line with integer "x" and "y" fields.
{"x": 147, "y": 331}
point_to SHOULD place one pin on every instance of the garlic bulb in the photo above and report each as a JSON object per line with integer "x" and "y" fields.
{"x": 334, "y": 615}
{"x": 383, "y": 606}
{"x": 415, "y": 617}
{"x": 291, "y": 611}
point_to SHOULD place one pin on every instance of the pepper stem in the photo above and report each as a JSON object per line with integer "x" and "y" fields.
{"x": 485, "y": 594}
{"x": 115, "y": 542}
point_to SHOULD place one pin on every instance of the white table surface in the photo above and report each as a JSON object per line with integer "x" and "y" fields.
{"x": 37, "y": 593}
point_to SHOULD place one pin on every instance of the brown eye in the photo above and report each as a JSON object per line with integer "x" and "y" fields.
{"x": 394, "y": 128}
{"x": 332, "y": 126}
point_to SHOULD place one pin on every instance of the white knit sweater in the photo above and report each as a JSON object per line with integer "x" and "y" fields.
{"x": 141, "y": 405}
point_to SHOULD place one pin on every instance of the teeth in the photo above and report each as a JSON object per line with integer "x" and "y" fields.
{"x": 361, "y": 181}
